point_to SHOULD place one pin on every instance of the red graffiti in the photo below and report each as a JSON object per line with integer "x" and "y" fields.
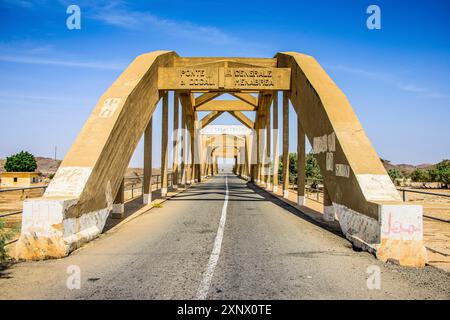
{"x": 398, "y": 227}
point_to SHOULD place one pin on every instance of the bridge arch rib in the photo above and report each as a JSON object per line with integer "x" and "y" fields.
{"x": 366, "y": 202}
{"x": 74, "y": 208}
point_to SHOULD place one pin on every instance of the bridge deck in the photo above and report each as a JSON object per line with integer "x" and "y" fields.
{"x": 267, "y": 251}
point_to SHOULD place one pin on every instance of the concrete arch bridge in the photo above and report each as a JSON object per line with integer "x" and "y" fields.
{"x": 87, "y": 186}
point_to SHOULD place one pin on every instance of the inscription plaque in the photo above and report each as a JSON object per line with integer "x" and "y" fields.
{"x": 214, "y": 78}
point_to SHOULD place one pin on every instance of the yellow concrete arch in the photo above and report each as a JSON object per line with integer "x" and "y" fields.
{"x": 80, "y": 196}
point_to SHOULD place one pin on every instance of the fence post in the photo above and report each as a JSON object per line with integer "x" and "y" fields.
{"x": 404, "y": 195}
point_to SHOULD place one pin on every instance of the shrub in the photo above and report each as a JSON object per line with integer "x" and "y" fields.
{"x": 4, "y": 237}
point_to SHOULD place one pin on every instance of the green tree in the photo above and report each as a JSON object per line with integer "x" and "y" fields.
{"x": 292, "y": 167}
{"x": 395, "y": 174}
{"x": 420, "y": 175}
{"x": 313, "y": 170}
{"x": 441, "y": 173}
{"x": 21, "y": 162}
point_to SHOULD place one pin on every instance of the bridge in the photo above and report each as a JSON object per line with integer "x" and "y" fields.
{"x": 359, "y": 195}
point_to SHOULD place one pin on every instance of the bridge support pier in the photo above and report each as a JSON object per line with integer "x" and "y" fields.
{"x": 148, "y": 145}
{"x": 285, "y": 145}
{"x": 276, "y": 160}
{"x": 164, "y": 142}
{"x": 183, "y": 148}
{"x": 301, "y": 164}
{"x": 118, "y": 209}
{"x": 268, "y": 150}
{"x": 176, "y": 133}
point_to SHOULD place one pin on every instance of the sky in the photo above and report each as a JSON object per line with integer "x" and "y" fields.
{"x": 396, "y": 78}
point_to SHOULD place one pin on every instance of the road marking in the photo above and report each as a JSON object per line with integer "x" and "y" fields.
{"x": 214, "y": 257}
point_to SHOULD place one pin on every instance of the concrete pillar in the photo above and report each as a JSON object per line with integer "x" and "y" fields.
{"x": 197, "y": 150}
{"x": 192, "y": 153}
{"x": 183, "y": 148}
{"x": 301, "y": 164}
{"x": 328, "y": 209}
{"x": 188, "y": 151}
{"x": 263, "y": 150}
{"x": 268, "y": 151}
{"x": 216, "y": 165}
{"x": 236, "y": 156}
{"x": 258, "y": 151}
{"x": 285, "y": 145}
{"x": 164, "y": 143}
{"x": 213, "y": 172}
{"x": 147, "y": 189}
{"x": 118, "y": 209}
{"x": 176, "y": 129}
{"x": 276, "y": 159}
{"x": 246, "y": 159}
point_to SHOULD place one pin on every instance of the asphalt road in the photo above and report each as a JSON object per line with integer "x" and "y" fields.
{"x": 220, "y": 242}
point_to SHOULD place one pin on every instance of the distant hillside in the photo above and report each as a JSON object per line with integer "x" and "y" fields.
{"x": 407, "y": 168}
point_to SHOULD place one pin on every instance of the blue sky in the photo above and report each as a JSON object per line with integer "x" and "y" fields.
{"x": 396, "y": 78}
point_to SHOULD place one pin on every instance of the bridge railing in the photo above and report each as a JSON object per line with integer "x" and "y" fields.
{"x": 136, "y": 189}
{"x": 138, "y": 186}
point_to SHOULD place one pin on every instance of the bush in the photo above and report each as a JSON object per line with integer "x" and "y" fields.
{"x": 21, "y": 162}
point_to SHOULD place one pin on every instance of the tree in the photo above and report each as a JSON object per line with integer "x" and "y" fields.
{"x": 313, "y": 170}
{"x": 292, "y": 167}
{"x": 420, "y": 175}
{"x": 21, "y": 162}
{"x": 441, "y": 173}
{"x": 395, "y": 174}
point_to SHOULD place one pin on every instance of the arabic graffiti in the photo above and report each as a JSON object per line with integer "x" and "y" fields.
{"x": 398, "y": 227}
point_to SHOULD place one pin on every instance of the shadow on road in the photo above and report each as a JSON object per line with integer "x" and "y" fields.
{"x": 269, "y": 197}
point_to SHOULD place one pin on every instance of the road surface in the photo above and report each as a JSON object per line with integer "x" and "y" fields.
{"x": 221, "y": 239}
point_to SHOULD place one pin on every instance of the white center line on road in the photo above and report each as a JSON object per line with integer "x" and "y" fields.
{"x": 214, "y": 257}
